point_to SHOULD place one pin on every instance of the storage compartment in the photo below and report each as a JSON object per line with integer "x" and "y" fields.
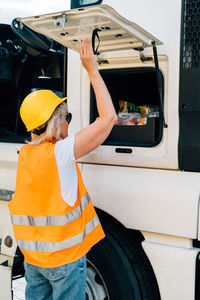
{"x": 135, "y": 96}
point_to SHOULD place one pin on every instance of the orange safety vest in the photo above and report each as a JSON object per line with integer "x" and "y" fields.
{"x": 49, "y": 232}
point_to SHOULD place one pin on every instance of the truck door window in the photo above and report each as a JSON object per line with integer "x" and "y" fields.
{"x": 82, "y": 3}
{"x": 21, "y": 73}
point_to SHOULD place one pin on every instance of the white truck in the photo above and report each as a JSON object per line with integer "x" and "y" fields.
{"x": 144, "y": 179}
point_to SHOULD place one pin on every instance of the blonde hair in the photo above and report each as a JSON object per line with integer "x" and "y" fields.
{"x": 52, "y": 133}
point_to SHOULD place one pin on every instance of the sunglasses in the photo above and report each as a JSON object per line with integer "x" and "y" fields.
{"x": 68, "y": 117}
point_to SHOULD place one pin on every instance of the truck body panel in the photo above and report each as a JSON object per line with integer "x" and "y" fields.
{"x": 173, "y": 267}
{"x": 118, "y": 191}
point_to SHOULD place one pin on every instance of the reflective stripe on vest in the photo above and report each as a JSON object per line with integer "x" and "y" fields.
{"x": 52, "y": 220}
{"x": 57, "y": 246}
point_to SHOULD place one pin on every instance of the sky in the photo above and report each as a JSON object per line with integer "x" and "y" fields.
{"x": 10, "y": 9}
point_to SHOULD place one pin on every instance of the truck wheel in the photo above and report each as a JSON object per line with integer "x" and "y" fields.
{"x": 118, "y": 268}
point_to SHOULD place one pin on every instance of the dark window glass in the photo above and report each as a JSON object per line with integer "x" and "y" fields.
{"x": 21, "y": 73}
{"x": 82, "y": 3}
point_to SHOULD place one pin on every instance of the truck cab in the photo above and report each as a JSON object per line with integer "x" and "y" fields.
{"x": 144, "y": 178}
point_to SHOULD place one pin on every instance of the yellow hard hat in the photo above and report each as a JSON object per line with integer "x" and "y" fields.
{"x": 37, "y": 108}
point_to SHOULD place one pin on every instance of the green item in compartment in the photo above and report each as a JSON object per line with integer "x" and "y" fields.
{"x": 125, "y": 106}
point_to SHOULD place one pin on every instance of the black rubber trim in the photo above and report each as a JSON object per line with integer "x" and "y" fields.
{"x": 189, "y": 104}
{"x": 38, "y": 42}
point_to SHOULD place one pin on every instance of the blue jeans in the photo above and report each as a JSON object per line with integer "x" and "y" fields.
{"x": 65, "y": 282}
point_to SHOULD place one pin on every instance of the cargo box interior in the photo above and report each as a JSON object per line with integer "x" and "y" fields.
{"x": 132, "y": 89}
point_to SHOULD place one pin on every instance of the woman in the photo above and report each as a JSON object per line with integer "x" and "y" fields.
{"x": 54, "y": 221}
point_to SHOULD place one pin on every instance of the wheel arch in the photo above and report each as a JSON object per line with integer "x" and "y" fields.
{"x": 133, "y": 238}
{"x": 104, "y": 216}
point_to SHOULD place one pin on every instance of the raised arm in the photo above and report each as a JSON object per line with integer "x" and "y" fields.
{"x": 95, "y": 134}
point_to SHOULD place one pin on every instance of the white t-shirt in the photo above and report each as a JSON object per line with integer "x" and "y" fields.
{"x": 64, "y": 152}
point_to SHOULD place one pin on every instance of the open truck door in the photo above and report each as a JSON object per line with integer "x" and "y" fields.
{"x": 68, "y": 27}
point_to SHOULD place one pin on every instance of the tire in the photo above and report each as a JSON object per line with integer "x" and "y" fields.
{"x": 118, "y": 268}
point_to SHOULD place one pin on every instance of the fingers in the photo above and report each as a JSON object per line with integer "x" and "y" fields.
{"x": 85, "y": 48}
{"x": 87, "y": 56}
{"x": 80, "y": 48}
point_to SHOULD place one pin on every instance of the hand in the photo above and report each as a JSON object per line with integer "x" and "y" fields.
{"x": 87, "y": 56}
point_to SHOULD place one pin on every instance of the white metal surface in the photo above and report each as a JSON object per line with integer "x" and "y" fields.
{"x": 68, "y": 27}
{"x": 23, "y": 8}
{"x": 162, "y": 19}
{"x": 144, "y": 199}
{"x": 174, "y": 268}
{"x": 159, "y": 156}
{"x": 6, "y": 230}
{"x": 5, "y": 283}
{"x": 164, "y": 155}
{"x": 18, "y": 287}
{"x": 166, "y": 239}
